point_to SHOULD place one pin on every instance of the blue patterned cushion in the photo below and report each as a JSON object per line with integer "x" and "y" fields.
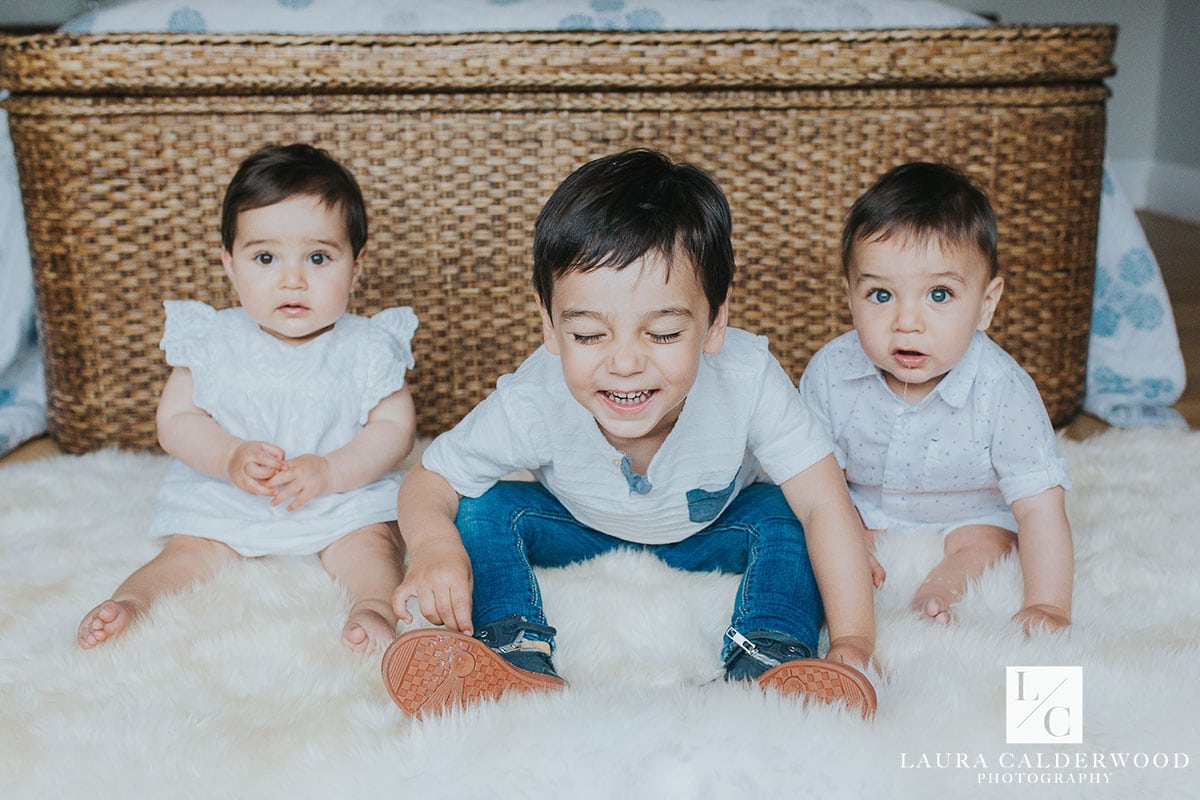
{"x": 453, "y": 16}
{"x": 1135, "y": 367}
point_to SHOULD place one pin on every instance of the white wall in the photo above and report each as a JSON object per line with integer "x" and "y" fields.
{"x": 1154, "y": 112}
{"x": 41, "y": 13}
{"x": 1174, "y": 182}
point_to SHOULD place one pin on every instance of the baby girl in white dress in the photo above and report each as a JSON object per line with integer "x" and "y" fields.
{"x": 288, "y": 417}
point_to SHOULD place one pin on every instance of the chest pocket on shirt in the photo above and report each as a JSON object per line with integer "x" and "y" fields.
{"x": 704, "y": 506}
{"x": 956, "y": 465}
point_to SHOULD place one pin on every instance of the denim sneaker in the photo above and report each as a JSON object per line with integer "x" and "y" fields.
{"x": 777, "y": 661}
{"x": 431, "y": 669}
{"x": 524, "y": 644}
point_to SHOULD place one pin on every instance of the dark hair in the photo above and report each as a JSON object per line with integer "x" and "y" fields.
{"x": 612, "y": 211}
{"x": 274, "y": 173}
{"x": 923, "y": 201}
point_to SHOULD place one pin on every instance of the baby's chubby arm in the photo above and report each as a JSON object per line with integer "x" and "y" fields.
{"x": 834, "y": 534}
{"x": 439, "y": 573}
{"x": 1047, "y": 559}
{"x": 195, "y": 438}
{"x": 385, "y": 440}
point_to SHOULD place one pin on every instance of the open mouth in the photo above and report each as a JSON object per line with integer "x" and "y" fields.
{"x": 909, "y": 358}
{"x": 628, "y": 399}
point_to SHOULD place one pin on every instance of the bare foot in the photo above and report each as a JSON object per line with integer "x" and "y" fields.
{"x": 969, "y": 551}
{"x": 936, "y": 595}
{"x": 367, "y": 630}
{"x": 368, "y": 563}
{"x": 936, "y": 609}
{"x": 105, "y": 621}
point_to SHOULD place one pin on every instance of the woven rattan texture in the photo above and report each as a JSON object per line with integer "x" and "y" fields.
{"x": 122, "y": 196}
{"x": 134, "y": 63}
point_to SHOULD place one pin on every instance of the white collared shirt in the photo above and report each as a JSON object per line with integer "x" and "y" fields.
{"x": 741, "y": 414}
{"x": 961, "y": 455}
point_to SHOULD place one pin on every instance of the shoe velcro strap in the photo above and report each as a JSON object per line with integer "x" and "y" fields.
{"x": 526, "y": 645}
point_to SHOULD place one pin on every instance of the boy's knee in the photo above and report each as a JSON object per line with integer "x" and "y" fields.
{"x": 500, "y": 507}
{"x": 775, "y": 526}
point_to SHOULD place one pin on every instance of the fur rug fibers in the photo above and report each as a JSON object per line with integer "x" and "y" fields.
{"x": 241, "y": 689}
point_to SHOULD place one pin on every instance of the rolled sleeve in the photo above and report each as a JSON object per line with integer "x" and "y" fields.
{"x": 1024, "y": 449}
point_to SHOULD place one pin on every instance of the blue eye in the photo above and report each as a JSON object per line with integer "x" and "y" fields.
{"x": 939, "y": 295}
{"x": 879, "y": 296}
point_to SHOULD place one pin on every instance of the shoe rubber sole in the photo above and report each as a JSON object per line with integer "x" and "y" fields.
{"x": 823, "y": 681}
{"x": 431, "y": 669}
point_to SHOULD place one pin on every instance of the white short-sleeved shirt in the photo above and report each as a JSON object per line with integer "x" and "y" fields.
{"x": 308, "y": 398}
{"x": 741, "y": 414}
{"x": 979, "y": 441}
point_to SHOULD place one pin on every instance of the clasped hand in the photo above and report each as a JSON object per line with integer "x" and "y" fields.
{"x": 260, "y": 468}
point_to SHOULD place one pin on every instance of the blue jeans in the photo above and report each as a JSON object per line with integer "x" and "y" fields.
{"x": 517, "y": 525}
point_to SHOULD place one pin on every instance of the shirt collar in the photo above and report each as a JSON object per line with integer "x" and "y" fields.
{"x": 859, "y": 366}
{"x": 955, "y": 388}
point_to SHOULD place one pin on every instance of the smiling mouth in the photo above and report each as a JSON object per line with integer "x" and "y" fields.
{"x": 628, "y": 399}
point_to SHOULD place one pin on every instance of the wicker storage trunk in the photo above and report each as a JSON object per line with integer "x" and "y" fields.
{"x": 125, "y": 142}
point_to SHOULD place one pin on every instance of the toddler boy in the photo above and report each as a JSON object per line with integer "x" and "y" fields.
{"x": 646, "y": 421}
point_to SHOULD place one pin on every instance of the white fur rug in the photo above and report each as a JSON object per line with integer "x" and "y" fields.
{"x": 241, "y": 689}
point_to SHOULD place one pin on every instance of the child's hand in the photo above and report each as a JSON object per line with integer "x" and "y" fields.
{"x": 301, "y": 479}
{"x": 852, "y": 651}
{"x": 878, "y": 573}
{"x": 253, "y": 464}
{"x": 1046, "y": 617}
{"x": 440, "y": 578}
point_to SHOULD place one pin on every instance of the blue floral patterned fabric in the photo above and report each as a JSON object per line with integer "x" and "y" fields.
{"x": 1135, "y": 368}
{"x": 22, "y": 390}
{"x": 455, "y": 16}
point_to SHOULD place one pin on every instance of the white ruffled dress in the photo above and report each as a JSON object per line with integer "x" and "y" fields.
{"x": 308, "y": 398}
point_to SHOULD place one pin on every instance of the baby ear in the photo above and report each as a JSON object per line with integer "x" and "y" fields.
{"x": 991, "y": 299}
{"x": 358, "y": 265}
